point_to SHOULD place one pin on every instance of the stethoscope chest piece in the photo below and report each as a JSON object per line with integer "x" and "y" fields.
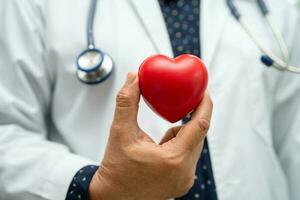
{"x": 94, "y": 66}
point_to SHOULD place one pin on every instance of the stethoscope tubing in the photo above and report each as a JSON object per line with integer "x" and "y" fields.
{"x": 269, "y": 59}
{"x": 90, "y": 24}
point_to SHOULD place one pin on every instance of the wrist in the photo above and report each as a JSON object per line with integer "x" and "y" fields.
{"x": 95, "y": 188}
{"x": 99, "y": 188}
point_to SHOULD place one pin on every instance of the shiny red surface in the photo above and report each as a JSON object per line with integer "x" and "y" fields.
{"x": 173, "y": 87}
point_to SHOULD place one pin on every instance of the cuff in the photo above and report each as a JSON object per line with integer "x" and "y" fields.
{"x": 79, "y": 187}
{"x": 59, "y": 179}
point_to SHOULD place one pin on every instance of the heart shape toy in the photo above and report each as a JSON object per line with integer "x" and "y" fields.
{"x": 172, "y": 88}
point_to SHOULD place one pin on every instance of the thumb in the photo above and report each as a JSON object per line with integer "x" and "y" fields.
{"x": 127, "y": 101}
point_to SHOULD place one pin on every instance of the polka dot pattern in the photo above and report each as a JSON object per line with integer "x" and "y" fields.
{"x": 204, "y": 186}
{"x": 182, "y": 21}
{"x": 79, "y": 187}
{"x": 180, "y": 17}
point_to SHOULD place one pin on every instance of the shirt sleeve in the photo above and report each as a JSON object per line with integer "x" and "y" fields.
{"x": 79, "y": 187}
{"x": 286, "y": 116}
{"x": 31, "y": 167}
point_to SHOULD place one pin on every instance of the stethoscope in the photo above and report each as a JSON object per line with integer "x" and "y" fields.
{"x": 268, "y": 58}
{"x": 95, "y": 66}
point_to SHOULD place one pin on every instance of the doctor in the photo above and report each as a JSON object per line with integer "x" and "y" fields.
{"x": 52, "y": 126}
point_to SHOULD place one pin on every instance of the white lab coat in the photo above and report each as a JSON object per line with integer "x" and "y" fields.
{"x": 51, "y": 124}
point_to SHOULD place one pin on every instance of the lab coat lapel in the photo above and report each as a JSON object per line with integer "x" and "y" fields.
{"x": 214, "y": 14}
{"x": 149, "y": 14}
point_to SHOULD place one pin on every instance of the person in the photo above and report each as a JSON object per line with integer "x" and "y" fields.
{"x": 63, "y": 139}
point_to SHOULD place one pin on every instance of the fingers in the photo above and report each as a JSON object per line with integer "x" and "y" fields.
{"x": 170, "y": 134}
{"x": 127, "y": 101}
{"x": 193, "y": 133}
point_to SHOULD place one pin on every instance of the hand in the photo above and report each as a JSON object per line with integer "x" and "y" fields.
{"x": 135, "y": 167}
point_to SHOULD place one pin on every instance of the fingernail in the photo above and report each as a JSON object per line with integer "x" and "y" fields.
{"x": 131, "y": 76}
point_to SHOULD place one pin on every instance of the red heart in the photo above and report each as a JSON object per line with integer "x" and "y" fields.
{"x": 173, "y": 87}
